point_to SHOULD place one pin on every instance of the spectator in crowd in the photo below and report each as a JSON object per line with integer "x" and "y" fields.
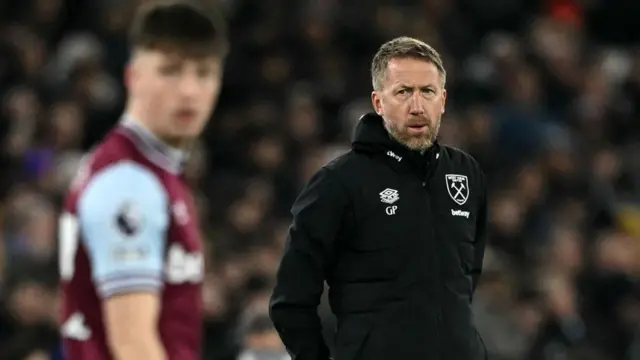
{"x": 260, "y": 341}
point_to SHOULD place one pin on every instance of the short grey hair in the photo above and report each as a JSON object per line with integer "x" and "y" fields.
{"x": 403, "y": 47}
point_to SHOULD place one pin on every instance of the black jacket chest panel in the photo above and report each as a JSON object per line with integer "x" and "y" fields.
{"x": 413, "y": 215}
{"x": 393, "y": 208}
{"x": 457, "y": 196}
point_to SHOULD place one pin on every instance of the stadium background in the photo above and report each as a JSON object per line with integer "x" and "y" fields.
{"x": 546, "y": 95}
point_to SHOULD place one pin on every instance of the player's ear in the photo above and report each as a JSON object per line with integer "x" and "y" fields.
{"x": 128, "y": 75}
{"x": 132, "y": 69}
{"x": 444, "y": 100}
{"x": 376, "y": 103}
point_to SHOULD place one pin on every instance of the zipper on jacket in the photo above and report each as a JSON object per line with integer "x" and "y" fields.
{"x": 436, "y": 261}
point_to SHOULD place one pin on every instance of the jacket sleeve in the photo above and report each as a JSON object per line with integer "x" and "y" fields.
{"x": 317, "y": 217}
{"x": 481, "y": 235}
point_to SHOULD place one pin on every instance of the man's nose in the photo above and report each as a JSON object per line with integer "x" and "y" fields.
{"x": 189, "y": 86}
{"x": 415, "y": 106}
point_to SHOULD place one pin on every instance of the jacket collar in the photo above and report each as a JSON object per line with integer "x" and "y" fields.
{"x": 372, "y": 138}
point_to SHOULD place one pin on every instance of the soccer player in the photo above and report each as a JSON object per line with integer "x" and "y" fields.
{"x": 131, "y": 263}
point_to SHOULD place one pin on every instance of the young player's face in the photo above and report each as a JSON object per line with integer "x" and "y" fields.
{"x": 178, "y": 94}
{"x": 411, "y": 102}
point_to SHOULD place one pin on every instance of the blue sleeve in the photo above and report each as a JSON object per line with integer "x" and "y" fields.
{"x": 123, "y": 215}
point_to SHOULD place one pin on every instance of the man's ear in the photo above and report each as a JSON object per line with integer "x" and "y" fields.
{"x": 128, "y": 75}
{"x": 376, "y": 103}
{"x": 444, "y": 100}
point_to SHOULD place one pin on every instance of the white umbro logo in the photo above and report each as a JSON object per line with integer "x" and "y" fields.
{"x": 180, "y": 212}
{"x": 389, "y": 196}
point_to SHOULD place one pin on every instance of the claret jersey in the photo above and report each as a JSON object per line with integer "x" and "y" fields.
{"x": 129, "y": 224}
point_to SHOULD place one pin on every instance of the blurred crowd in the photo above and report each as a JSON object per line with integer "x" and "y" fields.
{"x": 545, "y": 94}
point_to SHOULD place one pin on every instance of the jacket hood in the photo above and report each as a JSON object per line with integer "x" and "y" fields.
{"x": 372, "y": 137}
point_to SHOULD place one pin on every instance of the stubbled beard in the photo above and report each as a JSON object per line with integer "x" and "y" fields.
{"x": 414, "y": 142}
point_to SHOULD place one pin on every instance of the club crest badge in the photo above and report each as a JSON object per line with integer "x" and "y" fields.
{"x": 458, "y": 188}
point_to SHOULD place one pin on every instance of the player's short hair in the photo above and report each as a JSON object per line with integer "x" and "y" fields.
{"x": 180, "y": 26}
{"x": 403, "y": 47}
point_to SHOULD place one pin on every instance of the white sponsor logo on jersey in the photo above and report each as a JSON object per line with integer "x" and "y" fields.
{"x": 182, "y": 267}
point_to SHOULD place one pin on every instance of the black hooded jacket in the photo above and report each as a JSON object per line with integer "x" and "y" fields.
{"x": 399, "y": 237}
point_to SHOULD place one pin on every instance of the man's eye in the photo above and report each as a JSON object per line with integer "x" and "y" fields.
{"x": 170, "y": 70}
{"x": 205, "y": 72}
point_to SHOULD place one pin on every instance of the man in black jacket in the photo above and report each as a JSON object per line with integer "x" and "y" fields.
{"x": 396, "y": 227}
